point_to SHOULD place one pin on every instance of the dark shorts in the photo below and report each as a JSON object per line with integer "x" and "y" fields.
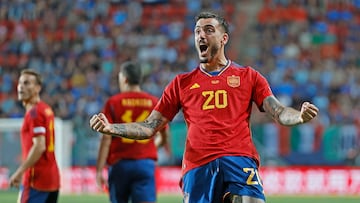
{"x": 31, "y": 195}
{"x": 132, "y": 179}
{"x": 209, "y": 183}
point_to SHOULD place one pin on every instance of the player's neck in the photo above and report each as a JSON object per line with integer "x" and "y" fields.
{"x": 29, "y": 104}
{"x": 133, "y": 88}
{"x": 215, "y": 65}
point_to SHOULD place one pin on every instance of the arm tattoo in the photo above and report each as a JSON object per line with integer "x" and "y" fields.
{"x": 273, "y": 107}
{"x": 154, "y": 124}
{"x": 283, "y": 115}
{"x": 137, "y": 131}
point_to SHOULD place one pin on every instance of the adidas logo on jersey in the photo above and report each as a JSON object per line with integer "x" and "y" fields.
{"x": 194, "y": 86}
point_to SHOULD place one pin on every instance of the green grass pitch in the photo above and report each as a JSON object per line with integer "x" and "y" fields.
{"x": 10, "y": 197}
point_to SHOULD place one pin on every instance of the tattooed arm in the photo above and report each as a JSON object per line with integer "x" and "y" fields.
{"x": 289, "y": 116}
{"x": 137, "y": 130}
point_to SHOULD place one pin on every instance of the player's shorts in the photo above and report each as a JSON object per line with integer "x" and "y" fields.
{"x": 209, "y": 183}
{"x": 132, "y": 179}
{"x": 31, "y": 195}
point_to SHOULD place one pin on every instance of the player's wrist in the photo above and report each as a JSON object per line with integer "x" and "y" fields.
{"x": 301, "y": 120}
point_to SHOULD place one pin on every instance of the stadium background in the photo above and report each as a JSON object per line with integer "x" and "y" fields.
{"x": 307, "y": 49}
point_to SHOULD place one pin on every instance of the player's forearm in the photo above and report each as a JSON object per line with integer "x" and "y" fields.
{"x": 289, "y": 117}
{"x": 33, "y": 156}
{"x": 136, "y": 131}
{"x": 284, "y": 115}
{"x": 103, "y": 152}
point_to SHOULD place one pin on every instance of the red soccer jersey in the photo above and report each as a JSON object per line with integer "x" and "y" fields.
{"x": 124, "y": 108}
{"x": 216, "y": 110}
{"x": 44, "y": 175}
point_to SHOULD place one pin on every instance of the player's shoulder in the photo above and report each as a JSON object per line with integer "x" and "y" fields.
{"x": 186, "y": 74}
{"x": 243, "y": 68}
{"x": 42, "y": 104}
{"x": 41, "y": 108}
{"x": 113, "y": 98}
{"x": 149, "y": 96}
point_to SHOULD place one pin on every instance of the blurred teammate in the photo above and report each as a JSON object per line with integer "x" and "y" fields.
{"x": 38, "y": 175}
{"x": 220, "y": 162}
{"x": 132, "y": 162}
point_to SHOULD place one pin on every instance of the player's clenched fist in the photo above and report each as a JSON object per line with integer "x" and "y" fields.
{"x": 308, "y": 111}
{"x": 100, "y": 123}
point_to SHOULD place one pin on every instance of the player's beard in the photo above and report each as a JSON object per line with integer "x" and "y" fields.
{"x": 213, "y": 51}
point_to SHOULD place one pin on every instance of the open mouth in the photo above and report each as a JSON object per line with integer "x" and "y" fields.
{"x": 203, "y": 48}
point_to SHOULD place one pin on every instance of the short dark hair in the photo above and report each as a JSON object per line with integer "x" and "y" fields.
{"x": 210, "y": 14}
{"x": 37, "y": 75}
{"x": 132, "y": 71}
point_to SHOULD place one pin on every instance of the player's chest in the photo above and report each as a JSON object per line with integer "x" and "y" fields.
{"x": 216, "y": 90}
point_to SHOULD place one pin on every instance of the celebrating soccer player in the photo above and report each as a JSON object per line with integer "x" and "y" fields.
{"x": 220, "y": 162}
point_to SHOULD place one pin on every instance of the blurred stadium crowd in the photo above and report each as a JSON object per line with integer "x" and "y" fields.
{"x": 308, "y": 50}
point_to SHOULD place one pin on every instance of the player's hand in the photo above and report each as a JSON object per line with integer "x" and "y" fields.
{"x": 308, "y": 111}
{"x": 100, "y": 123}
{"x": 15, "y": 179}
{"x": 101, "y": 181}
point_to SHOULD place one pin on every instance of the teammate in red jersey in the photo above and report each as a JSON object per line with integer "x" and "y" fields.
{"x": 39, "y": 170}
{"x": 131, "y": 173}
{"x": 220, "y": 162}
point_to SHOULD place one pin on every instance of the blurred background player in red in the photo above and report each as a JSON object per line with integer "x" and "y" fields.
{"x": 38, "y": 175}
{"x": 132, "y": 163}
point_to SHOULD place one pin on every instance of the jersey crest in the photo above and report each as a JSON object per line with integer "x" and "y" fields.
{"x": 233, "y": 81}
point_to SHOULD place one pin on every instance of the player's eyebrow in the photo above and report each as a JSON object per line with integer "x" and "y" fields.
{"x": 207, "y": 25}
{"x": 204, "y": 26}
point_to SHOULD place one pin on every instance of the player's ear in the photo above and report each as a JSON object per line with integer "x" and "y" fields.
{"x": 126, "y": 80}
{"x": 225, "y": 38}
{"x": 38, "y": 88}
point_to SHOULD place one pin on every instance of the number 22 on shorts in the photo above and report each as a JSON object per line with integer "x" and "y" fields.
{"x": 251, "y": 178}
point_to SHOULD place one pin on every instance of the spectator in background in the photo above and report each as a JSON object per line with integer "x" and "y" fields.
{"x": 220, "y": 162}
{"x": 131, "y": 162}
{"x": 39, "y": 170}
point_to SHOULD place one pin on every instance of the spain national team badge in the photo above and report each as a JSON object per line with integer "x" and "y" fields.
{"x": 233, "y": 81}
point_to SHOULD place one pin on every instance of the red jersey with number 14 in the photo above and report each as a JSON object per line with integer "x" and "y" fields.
{"x": 130, "y": 107}
{"x": 216, "y": 110}
{"x": 44, "y": 174}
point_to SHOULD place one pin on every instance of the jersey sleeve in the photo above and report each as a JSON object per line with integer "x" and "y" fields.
{"x": 38, "y": 118}
{"x": 108, "y": 111}
{"x": 261, "y": 90}
{"x": 169, "y": 103}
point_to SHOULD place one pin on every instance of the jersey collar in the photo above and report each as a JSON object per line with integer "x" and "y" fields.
{"x": 215, "y": 73}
